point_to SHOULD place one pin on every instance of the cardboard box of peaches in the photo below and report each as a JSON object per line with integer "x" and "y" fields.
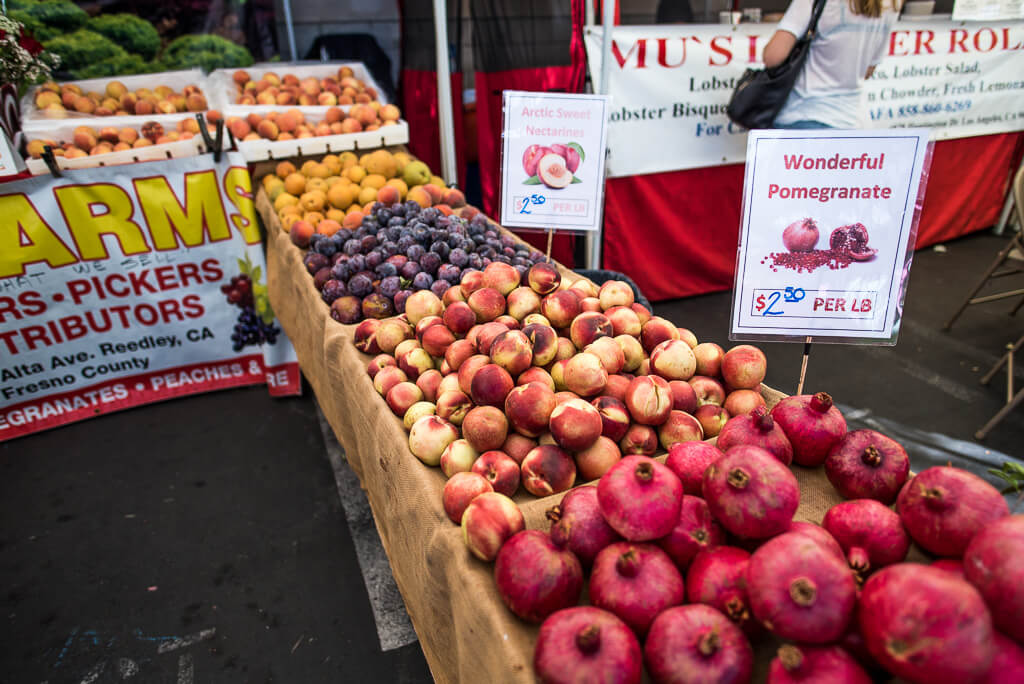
{"x": 465, "y": 629}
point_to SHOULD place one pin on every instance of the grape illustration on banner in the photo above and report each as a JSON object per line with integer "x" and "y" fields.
{"x": 255, "y": 324}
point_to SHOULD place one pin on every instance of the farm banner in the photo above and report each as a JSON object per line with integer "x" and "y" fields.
{"x": 670, "y": 85}
{"x": 125, "y": 285}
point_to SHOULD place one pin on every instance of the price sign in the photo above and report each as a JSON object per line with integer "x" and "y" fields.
{"x": 10, "y": 161}
{"x": 828, "y": 228}
{"x": 552, "y": 168}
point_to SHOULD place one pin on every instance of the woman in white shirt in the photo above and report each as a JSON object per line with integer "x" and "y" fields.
{"x": 852, "y": 38}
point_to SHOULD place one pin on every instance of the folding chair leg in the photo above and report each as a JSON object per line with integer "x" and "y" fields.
{"x": 995, "y": 420}
{"x": 1000, "y": 258}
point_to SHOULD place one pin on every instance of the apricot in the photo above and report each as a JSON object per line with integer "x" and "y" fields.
{"x": 295, "y": 184}
{"x": 367, "y": 195}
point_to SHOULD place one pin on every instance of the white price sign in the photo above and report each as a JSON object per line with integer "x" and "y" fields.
{"x": 827, "y": 234}
{"x": 552, "y": 171}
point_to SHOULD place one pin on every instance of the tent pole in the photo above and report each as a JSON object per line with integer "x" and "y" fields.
{"x": 444, "y": 93}
{"x": 289, "y": 27}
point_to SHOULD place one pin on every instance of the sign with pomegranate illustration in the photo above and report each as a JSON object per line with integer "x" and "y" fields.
{"x": 827, "y": 234}
{"x": 552, "y": 172}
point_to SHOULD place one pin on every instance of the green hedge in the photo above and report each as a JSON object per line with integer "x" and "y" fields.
{"x": 83, "y": 48}
{"x": 206, "y": 52}
{"x": 135, "y": 35}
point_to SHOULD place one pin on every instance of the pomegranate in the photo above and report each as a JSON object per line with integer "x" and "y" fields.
{"x": 1007, "y": 663}
{"x": 994, "y": 564}
{"x": 695, "y": 531}
{"x": 812, "y": 424}
{"x": 586, "y": 644}
{"x": 536, "y": 577}
{"x": 815, "y": 664}
{"x": 718, "y": 577}
{"x": 751, "y": 493}
{"x": 759, "y": 429}
{"x": 867, "y": 465}
{"x": 697, "y": 644}
{"x": 852, "y": 240}
{"x": 951, "y": 565}
{"x": 800, "y": 236}
{"x": 870, "y": 533}
{"x": 689, "y": 460}
{"x": 944, "y": 507}
{"x": 576, "y": 524}
{"x": 640, "y": 498}
{"x": 636, "y": 582}
{"x": 925, "y": 625}
{"x": 800, "y": 590}
{"x": 819, "y": 534}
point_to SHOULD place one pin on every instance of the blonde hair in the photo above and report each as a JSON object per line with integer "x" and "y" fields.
{"x": 871, "y": 8}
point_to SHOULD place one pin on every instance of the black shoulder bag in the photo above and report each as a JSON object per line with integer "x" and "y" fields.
{"x": 761, "y": 93}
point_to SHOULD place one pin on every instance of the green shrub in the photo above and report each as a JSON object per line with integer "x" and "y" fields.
{"x": 122, "y": 65}
{"x": 62, "y": 15}
{"x": 82, "y": 48}
{"x": 134, "y": 34}
{"x": 205, "y": 51}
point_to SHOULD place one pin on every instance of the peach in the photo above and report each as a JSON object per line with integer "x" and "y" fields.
{"x": 557, "y": 371}
{"x": 624, "y": 321}
{"x": 617, "y": 386}
{"x": 485, "y": 428}
{"x": 687, "y": 336}
{"x": 460, "y": 490}
{"x": 517, "y": 446}
{"x": 499, "y": 469}
{"x": 547, "y": 439}
{"x": 453, "y": 405}
{"x": 433, "y": 190}
{"x": 742, "y": 401}
{"x": 614, "y": 417}
{"x": 436, "y": 339}
{"x": 268, "y": 129}
{"x": 543, "y": 342}
{"x": 536, "y": 374}
{"x": 642, "y": 312}
{"x": 428, "y": 382}
{"x": 452, "y": 295}
{"x": 575, "y": 424}
{"x": 560, "y": 308}
{"x": 458, "y": 317}
{"x": 429, "y": 437}
{"x": 584, "y": 288}
{"x": 585, "y": 374}
{"x": 615, "y": 293}
{"x": 587, "y": 327}
{"x": 422, "y": 303}
{"x": 507, "y": 321}
{"x": 597, "y": 459}
{"x": 673, "y": 360}
{"x": 403, "y": 395}
{"x": 84, "y": 138}
{"x": 708, "y": 390}
{"x": 536, "y": 318}
{"x": 684, "y": 398}
{"x": 471, "y": 282}
{"x": 548, "y": 470}
{"x": 565, "y": 349}
{"x": 522, "y": 302}
{"x": 590, "y": 304}
{"x": 424, "y": 323}
{"x": 655, "y": 331}
{"x": 632, "y": 352}
{"x": 404, "y": 347}
{"x": 415, "y": 412}
{"x": 744, "y": 367}
{"x": 457, "y": 352}
{"x": 452, "y": 197}
{"x": 529, "y": 408}
{"x": 487, "y": 303}
{"x": 468, "y": 369}
{"x": 378, "y": 362}
{"x": 365, "y": 337}
{"x": 488, "y": 521}
{"x": 386, "y": 195}
{"x": 300, "y": 233}
{"x": 458, "y": 457}
{"x": 512, "y": 351}
{"x": 610, "y": 353}
{"x": 390, "y": 112}
{"x": 649, "y": 399}
{"x": 490, "y": 385}
{"x": 415, "y": 361}
{"x": 680, "y": 427}
{"x": 639, "y": 439}
{"x": 449, "y": 383}
{"x": 712, "y": 418}
{"x": 501, "y": 277}
{"x": 564, "y": 396}
{"x": 486, "y": 334}
{"x": 387, "y": 378}
{"x": 709, "y": 359}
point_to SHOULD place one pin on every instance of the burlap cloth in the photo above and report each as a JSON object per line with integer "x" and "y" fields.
{"x": 467, "y": 633}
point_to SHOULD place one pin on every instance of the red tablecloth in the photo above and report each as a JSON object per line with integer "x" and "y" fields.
{"x": 675, "y": 233}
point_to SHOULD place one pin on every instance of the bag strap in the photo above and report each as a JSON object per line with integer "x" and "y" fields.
{"x": 812, "y": 28}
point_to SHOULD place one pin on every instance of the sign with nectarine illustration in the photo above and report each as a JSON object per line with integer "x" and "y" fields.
{"x": 827, "y": 235}
{"x": 552, "y": 173}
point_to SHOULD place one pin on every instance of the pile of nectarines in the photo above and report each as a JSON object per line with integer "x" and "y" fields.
{"x": 55, "y": 100}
